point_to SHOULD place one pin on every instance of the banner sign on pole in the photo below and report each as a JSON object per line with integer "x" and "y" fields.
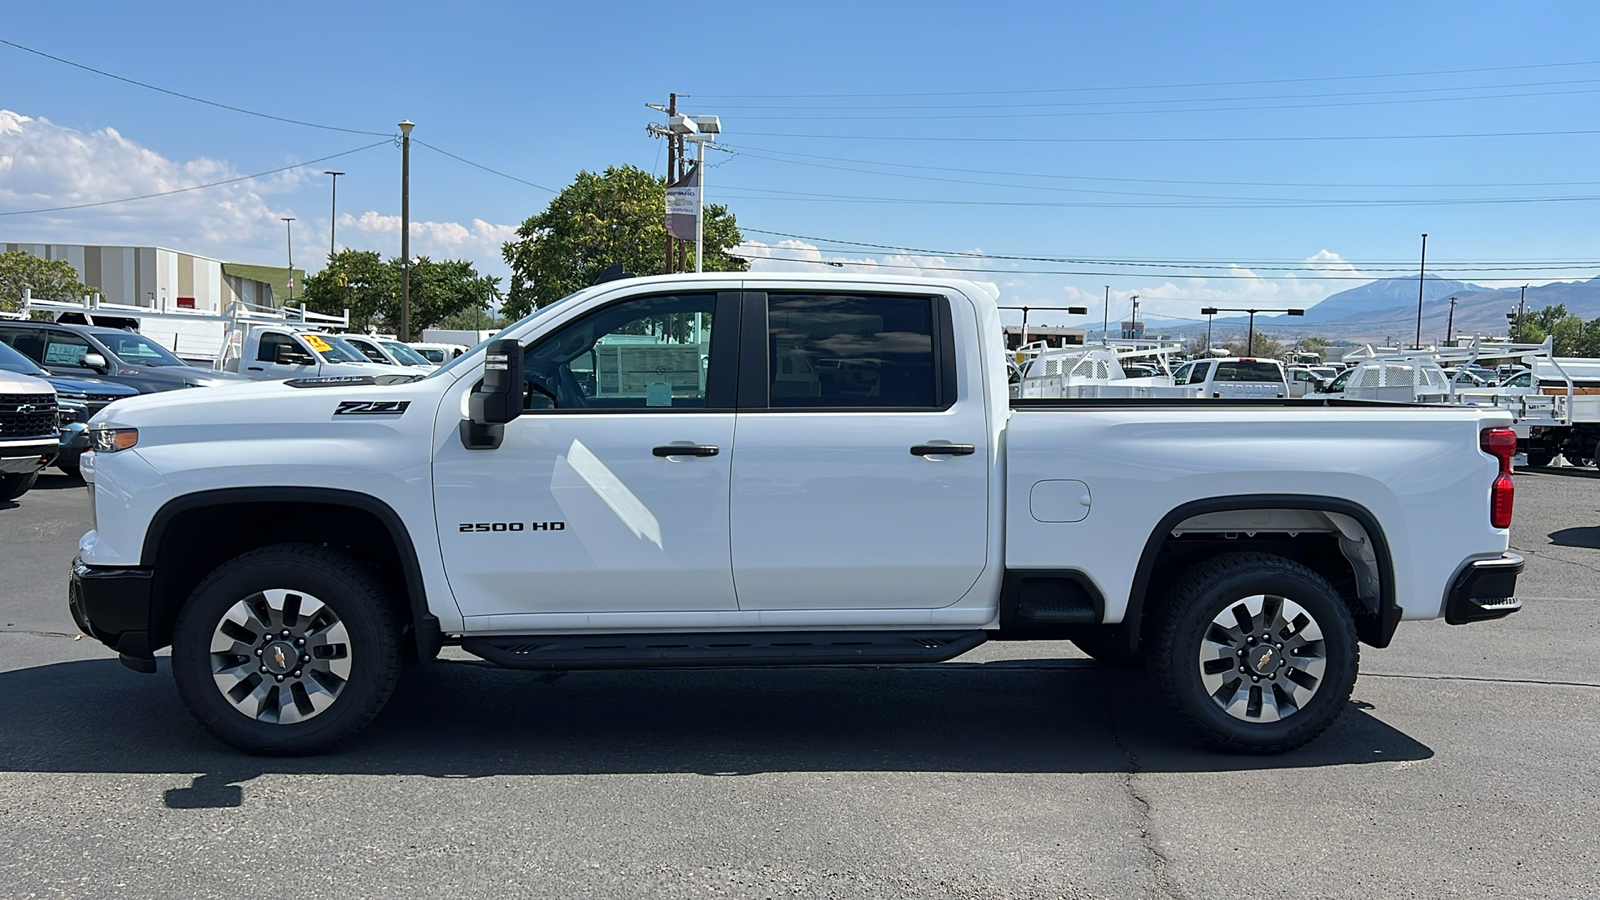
{"x": 682, "y": 207}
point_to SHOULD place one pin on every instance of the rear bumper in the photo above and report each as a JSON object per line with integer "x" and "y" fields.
{"x": 113, "y": 607}
{"x": 1485, "y": 589}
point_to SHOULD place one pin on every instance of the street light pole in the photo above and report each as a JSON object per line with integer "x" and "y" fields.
{"x": 1250, "y": 344}
{"x": 333, "y": 215}
{"x": 405, "y": 229}
{"x": 1422, "y": 271}
{"x": 1450, "y": 324}
{"x": 1208, "y": 330}
{"x": 1521, "y": 304}
{"x": 288, "y": 233}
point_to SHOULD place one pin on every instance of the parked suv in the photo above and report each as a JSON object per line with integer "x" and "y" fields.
{"x": 79, "y": 398}
{"x": 28, "y": 436}
{"x": 124, "y": 357}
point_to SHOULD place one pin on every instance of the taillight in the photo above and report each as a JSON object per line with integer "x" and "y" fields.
{"x": 1500, "y": 443}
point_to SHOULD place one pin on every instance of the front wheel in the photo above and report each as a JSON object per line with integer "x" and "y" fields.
{"x": 286, "y": 651}
{"x": 1257, "y": 653}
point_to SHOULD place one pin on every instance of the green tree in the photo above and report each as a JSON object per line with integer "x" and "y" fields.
{"x": 1265, "y": 347}
{"x": 47, "y": 279}
{"x": 1315, "y": 345}
{"x": 369, "y": 287}
{"x": 1572, "y": 335}
{"x": 599, "y": 221}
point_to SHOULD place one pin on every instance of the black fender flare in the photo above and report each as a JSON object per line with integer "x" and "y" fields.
{"x": 425, "y": 625}
{"x": 1388, "y": 611}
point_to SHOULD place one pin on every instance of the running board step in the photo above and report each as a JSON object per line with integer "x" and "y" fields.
{"x": 772, "y": 648}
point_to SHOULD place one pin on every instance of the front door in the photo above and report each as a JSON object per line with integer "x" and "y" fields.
{"x": 610, "y": 493}
{"x": 861, "y": 478}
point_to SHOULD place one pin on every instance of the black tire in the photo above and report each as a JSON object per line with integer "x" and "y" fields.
{"x": 369, "y": 661}
{"x": 1576, "y": 458}
{"x": 1108, "y": 645}
{"x": 1182, "y": 631}
{"x": 15, "y": 485}
{"x": 1540, "y": 459}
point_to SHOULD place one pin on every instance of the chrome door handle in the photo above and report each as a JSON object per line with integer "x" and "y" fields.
{"x": 943, "y": 450}
{"x": 686, "y": 450}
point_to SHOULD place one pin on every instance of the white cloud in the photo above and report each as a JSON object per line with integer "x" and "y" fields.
{"x": 480, "y": 241}
{"x": 800, "y": 256}
{"x": 47, "y": 165}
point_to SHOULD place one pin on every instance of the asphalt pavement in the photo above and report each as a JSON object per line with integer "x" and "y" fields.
{"x": 1465, "y": 767}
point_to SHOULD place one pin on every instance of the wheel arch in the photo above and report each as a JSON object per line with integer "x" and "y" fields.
{"x": 197, "y": 517}
{"x": 1375, "y": 629}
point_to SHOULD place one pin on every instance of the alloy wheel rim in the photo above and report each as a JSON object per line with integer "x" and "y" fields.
{"x": 1262, "y": 658}
{"x": 280, "y": 656}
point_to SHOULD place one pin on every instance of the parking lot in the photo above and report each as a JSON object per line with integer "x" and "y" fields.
{"x": 1467, "y": 766}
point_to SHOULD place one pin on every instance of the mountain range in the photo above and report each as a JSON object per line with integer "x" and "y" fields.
{"x": 1387, "y": 309}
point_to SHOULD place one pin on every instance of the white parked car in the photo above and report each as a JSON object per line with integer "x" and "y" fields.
{"x": 1234, "y": 378}
{"x": 438, "y": 354}
{"x": 388, "y": 352}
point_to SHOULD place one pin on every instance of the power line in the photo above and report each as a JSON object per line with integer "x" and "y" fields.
{"x": 1149, "y": 87}
{"x": 197, "y": 187}
{"x": 190, "y": 97}
{"x": 1083, "y": 103}
{"x": 804, "y": 197}
{"x": 879, "y": 117}
{"x": 1169, "y": 140}
{"x": 484, "y": 167}
{"x": 1036, "y": 187}
{"x": 1052, "y": 175}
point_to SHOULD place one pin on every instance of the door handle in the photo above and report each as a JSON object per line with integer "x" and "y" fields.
{"x": 255, "y": 368}
{"x": 686, "y": 450}
{"x": 943, "y": 450}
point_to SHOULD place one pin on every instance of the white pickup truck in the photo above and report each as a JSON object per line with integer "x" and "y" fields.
{"x": 734, "y": 469}
{"x": 277, "y": 353}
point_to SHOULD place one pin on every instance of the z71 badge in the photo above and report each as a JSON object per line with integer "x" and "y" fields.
{"x": 371, "y": 407}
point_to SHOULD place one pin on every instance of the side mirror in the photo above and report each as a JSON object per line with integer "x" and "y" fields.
{"x": 498, "y": 399}
{"x": 95, "y": 361}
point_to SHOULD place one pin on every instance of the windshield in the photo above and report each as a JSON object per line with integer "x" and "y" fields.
{"x": 333, "y": 349}
{"x": 137, "y": 350}
{"x": 12, "y": 361}
{"x": 406, "y": 355}
{"x": 451, "y": 364}
{"x": 1248, "y": 371}
{"x": 1339, "y": 383}
{"x": 369, "y": 350}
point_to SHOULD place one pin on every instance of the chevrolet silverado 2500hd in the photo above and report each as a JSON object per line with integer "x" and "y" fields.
{"x": 733, "y": 469}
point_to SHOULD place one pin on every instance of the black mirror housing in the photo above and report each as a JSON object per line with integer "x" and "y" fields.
{"x": 498, "y": 399}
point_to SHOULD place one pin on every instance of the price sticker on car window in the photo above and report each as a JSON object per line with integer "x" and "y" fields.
{"x": 317, "y": 343}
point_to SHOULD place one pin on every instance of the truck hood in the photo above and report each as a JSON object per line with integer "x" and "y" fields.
{"x": 12, "y": 383}
{"x": 262, "y": 403}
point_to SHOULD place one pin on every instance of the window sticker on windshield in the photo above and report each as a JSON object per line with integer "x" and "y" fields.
{"x": 658, "y": 393}
{"x": 64, "y": 354}
{"x": 317, "y": 343}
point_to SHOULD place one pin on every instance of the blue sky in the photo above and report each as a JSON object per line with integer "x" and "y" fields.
{"x": 828, "y": 104}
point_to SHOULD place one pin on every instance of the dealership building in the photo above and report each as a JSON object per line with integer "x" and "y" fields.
{"x": 159, "y": 278}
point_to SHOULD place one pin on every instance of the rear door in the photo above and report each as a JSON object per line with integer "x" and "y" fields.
{"x": 859, "y": 480}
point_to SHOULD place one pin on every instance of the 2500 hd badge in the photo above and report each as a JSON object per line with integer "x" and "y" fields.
{"x": 511, "y": 526}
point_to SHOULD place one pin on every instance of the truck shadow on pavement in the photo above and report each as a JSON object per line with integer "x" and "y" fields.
{"x": 1585, "y": 536}
{"x": 462, "y": 720}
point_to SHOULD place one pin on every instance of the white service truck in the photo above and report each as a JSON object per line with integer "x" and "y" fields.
{"x": 732, "y": 469}
{"x": 277, "y": 352}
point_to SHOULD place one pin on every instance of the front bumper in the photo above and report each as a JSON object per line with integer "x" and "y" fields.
{"x": 113, "y": 606}
{"x": 25, "y": 456}
{"x": 74, "y": 440}
{"x": 1485, "y": 589}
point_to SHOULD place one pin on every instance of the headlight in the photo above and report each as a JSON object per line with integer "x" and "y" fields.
{"x": 106, "y": 439}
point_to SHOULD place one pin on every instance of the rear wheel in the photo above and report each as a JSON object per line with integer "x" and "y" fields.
{"x": 15, "y": 485}
{"x": 288, "y": 650}
{"x": 1257, "y": 653}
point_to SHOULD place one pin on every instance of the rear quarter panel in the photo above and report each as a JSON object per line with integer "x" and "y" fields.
{"x": 1419, "y": 471}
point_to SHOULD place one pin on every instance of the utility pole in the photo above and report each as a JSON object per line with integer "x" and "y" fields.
{"x": 333, "y": 216}
{"x": 1450, "y": 324}
{"x": 1521, "y": 304}
{"x": 1105, "y": 325}
{"x": 1421, "y": 274}
{"x": 672, "y": 176}
{"x": 1134, "y": 332}
{"x": 405, "y": 229}
{"x": 288, "y": 233}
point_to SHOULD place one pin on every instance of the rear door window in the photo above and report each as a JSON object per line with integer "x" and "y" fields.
{"x": 837, "y": 351}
